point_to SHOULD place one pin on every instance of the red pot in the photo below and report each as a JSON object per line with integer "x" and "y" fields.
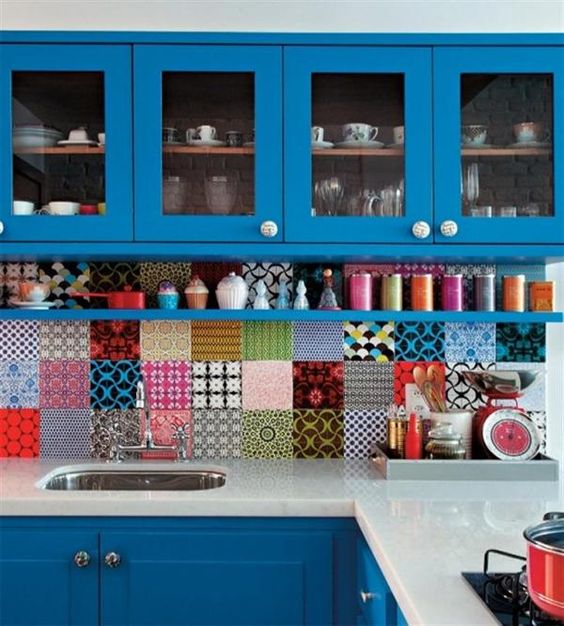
{"x": 545, "y": 564}
{"x": 126, "y": 299}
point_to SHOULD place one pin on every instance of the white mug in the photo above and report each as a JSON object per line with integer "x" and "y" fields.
{"x": 358, "y": 131}
{"x": 317, "y": 133}
{"x": 205, "y": 133}
{"x": 23, "y": 207}
{"x": 399, "y": 134}
{"x": 190, "y": 135}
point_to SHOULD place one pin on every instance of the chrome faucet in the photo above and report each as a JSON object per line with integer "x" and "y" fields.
{"x": 147, "y": 443}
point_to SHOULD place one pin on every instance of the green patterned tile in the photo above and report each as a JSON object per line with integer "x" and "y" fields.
{"x": 267, "y": 434}
{"x": 318, "y": 434}
{"x": 267, "y": 341}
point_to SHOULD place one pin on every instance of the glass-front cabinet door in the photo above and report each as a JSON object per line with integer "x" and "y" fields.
{"x": 499, "y": 142}
{"x": 208, "y": 143}
{"x": 65, "y": 124}
{"x": 358, "y": 144}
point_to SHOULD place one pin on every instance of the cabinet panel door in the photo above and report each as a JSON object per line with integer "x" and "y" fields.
{"x": 218, "y": 578}
{"x": 70, "y": 94}
{"x": 40, "y": 585}
{"x": 349, "y": 112}
{"x": 208, "y": 142}
{"x": 499, "y": 142}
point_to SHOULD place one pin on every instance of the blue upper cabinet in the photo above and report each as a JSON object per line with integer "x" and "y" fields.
{"x": 65, "y": 143}
{"x": 499, "y": 145}
{"x": 208, "y": 143}
{"x": 357, "y": 144}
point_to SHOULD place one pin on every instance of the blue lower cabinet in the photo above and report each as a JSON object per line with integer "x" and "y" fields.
{"x": 48, "y": 578}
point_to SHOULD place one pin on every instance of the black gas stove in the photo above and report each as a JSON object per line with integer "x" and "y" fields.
{"x": 506, "y": 595}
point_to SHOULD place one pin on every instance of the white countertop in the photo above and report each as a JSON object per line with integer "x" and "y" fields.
{"x": 423, "y": 534}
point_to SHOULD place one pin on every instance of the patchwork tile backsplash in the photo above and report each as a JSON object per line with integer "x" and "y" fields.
{"x": 244, "y": 389}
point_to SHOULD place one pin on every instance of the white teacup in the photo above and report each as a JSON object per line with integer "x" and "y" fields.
{"x": 190, "y": 135}
{"x": 23, "y": 207}
{"x": 205, "y": 133}
{"x": 317, "y": 133}
{"x": 399, "y": 134}
{"x": 102, "y": 139}
{"x": 63, "y": 208}
{"x": 359, "y": 131}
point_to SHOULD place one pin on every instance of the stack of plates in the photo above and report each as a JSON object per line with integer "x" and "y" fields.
{"x": 35, "y": 136}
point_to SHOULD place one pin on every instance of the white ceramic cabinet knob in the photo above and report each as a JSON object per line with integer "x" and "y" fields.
{"x": 449, "y": 228}
{"x": 421, "y": 230}
{"x": 269, "y": 229}
{"x": 1, "y": 227}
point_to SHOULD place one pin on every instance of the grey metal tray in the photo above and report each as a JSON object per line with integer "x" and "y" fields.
{"x": 542, "y": 468}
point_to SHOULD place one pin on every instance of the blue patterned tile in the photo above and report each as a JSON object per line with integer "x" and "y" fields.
{"x": 521, "y": 342}
{"x": 473, "y": 341}
{"x": 420, "y": 341}
{"x": 113, "y": 384}
{"x": 19, "y": 384}
{"x": 363, "y": 429}
{"x": 368, "y": 341}
{"x": 318, "y": 341}
{"x": 64, "y": 433}
{"x": 534, "y": 397}
{"x": 19, "y": 340}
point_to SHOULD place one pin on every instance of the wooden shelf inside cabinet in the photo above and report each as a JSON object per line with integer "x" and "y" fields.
{"x": 380, "y": 152}
{"x": 224, "y": 150}
{"x": 281, "y": 315}
{"x": 497, "y": 152}
{"x": 62, "y": 150}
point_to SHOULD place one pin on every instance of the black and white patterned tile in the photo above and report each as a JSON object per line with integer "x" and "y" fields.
{"x": 217, "y": 434}
{"x": 368, "y": 385}
{"x": 65, "y": 433}
{"x": 216, "y": 384}
{"x": 363, "y": 429}
{"x": 459, "y": 394}
{"x": 102, "y": 423}
{"x": 271, "y": 274}
{"x": 63, "y": 339}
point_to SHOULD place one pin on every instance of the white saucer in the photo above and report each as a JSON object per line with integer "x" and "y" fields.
{"x": 321, "y": 145}
{"x": 212, "y": 143}
{"x": 477, "y": 146}
{"x": 173, "y": 143}
{"x": 395, "y": 145}
{"x": 529, "y": 144}
{"x": 359, "y": 144}
{"x": 68, "y": 142}
{"x": 34, "y": 306}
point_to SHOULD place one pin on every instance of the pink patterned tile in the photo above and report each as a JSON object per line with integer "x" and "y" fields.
{"x": 168, "y": 384}
{"x": 64, "y": 384}
{"x": 164, "y": 425}
{"x": 267, "y": 385}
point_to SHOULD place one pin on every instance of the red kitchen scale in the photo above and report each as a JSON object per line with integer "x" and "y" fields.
{"x": 502, "y": 429}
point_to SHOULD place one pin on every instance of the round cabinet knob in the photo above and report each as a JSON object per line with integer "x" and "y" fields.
{"x": 81, "y": 558}
{"x": 1, "y": 227}
{"x": 112, "y": 559}
{"x": 421, "y": 230}
{"x": 269, "y": 229}
{"x": 449, "y": 228}
{"x": 367, "y": 596}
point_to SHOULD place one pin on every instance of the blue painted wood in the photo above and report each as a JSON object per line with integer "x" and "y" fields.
{"x": 401, "y": 621}
{"x": 39, "y": 583}
{"x": 115, "y": 63}
{"x": 449, "y": 65}
{"x": 266, "y": 65}
{"x": 285, "y": 315}
{"x": 300, "y": 63}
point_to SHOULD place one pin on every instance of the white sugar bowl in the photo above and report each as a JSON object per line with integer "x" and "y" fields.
{"x": 232, "y": 292}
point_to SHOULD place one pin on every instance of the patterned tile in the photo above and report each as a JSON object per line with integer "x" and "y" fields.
{"x": 165, "y": 340}
{"x": 420, "y": 341}
{"x": 102, "y": 424}
{"x": 534, "y": 398}
{"x": 63, "y": 339}
{"x": 403, "y": 375}
{"x": 212, "y": 273}
{"x": 521, "y": 342}
{"x": 539, "y": 418}
{"x": 217, "y": 434}
{"x": 318, "y": 341}
{"x": 105, "y": 276}
{"x": 368, "y": 341}
{"x": 532, "y": 272}
{"x": 268, "y": 341}
{"x": 19, "y": 340}
{"x": 312, "y": 275}
{"x": 114, "y": 340}
{"x": 163, "y": 426}
{"x": 19, "y": 384}
{"x": 459, "y": 394}
{"x": 64, "y": 384}
{"x": 473, "y": 341}
{"x": 468, "y": 272}
{"x": 11, "y": 274}
{"x": 363, "y": 429}
{"x": 368, "y": 385}
{"x": 64, "y": 278}
{"x": 267, "y": 385}
{"x": 270, "y": 273}
{"x": 168, "y": 384}
{"x": 65, "y": 433}
{"x": 216, "y": 385}
{"x": 19, "y": 432}
{"x": 267, "y": 435}
{"x": 113, "y": 384}
{"x": 318, "y": 434}
{"x": 151, "y": 274}
{"x": 216, "y": 341}
{"x": 318, "y": 385}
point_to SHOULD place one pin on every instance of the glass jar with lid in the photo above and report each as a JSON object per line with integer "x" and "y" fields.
{"x": 444, "y": 443}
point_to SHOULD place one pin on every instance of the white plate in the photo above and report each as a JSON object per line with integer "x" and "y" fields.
{"x": 474, "y": 146}
{"x": 34, "y": 306}
{"x": 173, "y": 143}
{"x": 359, "y": 144}
{"x": 321, "y": 145}
{"x": 212, "y": 143}
{"x": 68, "y": 142}
{"x": 395, "y": 145}
{"x": 249, "y": 144}
{"x": 529, "y": 144}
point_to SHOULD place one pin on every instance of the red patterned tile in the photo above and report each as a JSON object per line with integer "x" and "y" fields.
{"x": 318, "y": 385}
{"x": 164, "y": 425}
{"x": 403, "y": 374}
{"x": 114, "y": 340}
{"x": 64, "y": 384}
{"x": 19, "y": 432}
{"x": 168, "y": 383}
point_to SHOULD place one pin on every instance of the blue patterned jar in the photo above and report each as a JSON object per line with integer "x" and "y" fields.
{"x": 167, "y": 296}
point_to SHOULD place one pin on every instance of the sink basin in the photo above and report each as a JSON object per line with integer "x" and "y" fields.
{"x": 135, "y": 480}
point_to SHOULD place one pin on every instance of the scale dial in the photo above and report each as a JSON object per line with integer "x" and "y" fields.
{"x": 510, "y": 435}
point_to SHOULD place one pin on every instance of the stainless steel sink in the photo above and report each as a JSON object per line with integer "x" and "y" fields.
{"x": 136, "y": 480}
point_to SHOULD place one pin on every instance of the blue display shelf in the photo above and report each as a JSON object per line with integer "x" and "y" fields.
{"x": 285, "y": 315}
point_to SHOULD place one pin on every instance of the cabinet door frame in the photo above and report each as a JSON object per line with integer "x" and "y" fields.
{"x": 449, "y": 64}
{"x": 300, "y": 62}
{"x": 150, "y": 61}
{"x": 115, "y": 62}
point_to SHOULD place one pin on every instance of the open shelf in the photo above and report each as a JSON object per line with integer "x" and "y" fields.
{"x": 495, "y": 152}
{"x": 385, "y": 152}
{"x": 62, "y": 150}
{"x": 207, "y": 150}
{"x": 282, "y": 315}
{"x": 395, "y": 152}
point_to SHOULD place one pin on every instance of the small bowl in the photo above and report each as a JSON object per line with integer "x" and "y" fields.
{"x": 63, "y": 208}
{"x": 33, "y": 292}
{"x": 78, "y": 134}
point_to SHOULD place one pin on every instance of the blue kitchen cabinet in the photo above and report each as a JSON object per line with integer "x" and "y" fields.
{"x": 41, "y": 583}
{"x": 498, "y": 146}
{"x": 190, "y": 185}
{"x": 71, "y": 94}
